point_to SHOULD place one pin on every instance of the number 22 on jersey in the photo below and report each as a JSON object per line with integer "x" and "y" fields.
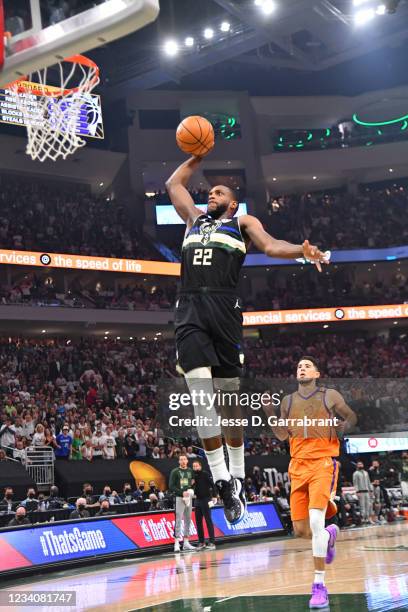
{"x": 202, "y": 257}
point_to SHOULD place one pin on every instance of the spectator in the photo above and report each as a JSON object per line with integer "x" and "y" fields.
{"x": 105, "y": 509}
{"x": 250, "y": 489}
{"x": 39, "y": 436}
{"x": 98, "y": 444}
{"x": 121, "y": 452}
{"x": 54, "y": 501}
{"x": 7, "y": 504}
{"x": 3, "y": 456}
{"x": 64, "y": 444}
{"x": 376, "y": 478}
{"x": 131, "y": 446}
{"x": 7, "y": 436}
{"x": 81, "y": 512}
{"x": 87, "y": 451}
{"x": 205, "y": 496}
{"x": 404, "y": 475}
{"x": 362, "y": 484}
{"x": 77, "y": 443}
{"x": 19, "y": 452}
{"x": 127, "y": 496}
{"x": 88, "y": 494}
{"x": 109, "y": 495}
{"x": 109, "y": 450}
{"x": 31, "y": 502}
{"x": 20, "y": 518}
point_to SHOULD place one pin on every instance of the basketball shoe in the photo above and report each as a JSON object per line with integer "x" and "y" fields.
{"x": 320, "y": 597}
{"x": 230, "y": 493}
{"x": 333, "y": 531}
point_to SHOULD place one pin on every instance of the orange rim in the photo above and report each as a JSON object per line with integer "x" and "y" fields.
{"x": 57, "y": 91}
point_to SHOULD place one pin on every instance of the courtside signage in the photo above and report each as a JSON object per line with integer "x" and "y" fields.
{"x": 57, "y": 543}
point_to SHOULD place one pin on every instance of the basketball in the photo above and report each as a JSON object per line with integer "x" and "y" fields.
{"x": 195, "y": 136}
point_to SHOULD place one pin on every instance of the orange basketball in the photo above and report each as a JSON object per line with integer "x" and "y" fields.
{"x": 195, "y": 136}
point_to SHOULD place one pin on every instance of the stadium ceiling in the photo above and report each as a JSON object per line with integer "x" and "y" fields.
{"x": 301, "y": 36}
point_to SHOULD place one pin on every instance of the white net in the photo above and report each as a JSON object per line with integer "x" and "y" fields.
{"x": 53, "y": 114}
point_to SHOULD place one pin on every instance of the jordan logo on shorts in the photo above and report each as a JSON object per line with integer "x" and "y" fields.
{"x": 237, "y": 305}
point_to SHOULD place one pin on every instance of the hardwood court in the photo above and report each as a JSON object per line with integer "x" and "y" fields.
{"x": 370, "y": 573}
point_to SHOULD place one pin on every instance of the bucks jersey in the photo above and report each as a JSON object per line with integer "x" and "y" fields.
{"x": 213, "y": 252}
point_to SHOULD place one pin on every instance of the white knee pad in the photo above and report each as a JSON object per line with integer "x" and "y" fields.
{"x": 200, "y": 385}
{"x": 320, "y": 537}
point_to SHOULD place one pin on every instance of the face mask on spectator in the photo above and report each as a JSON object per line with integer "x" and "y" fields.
{"x": 9, "y": 496}
{"x": 107, "y": 492}
{"x": 31, "y": 495}
{"x": 88, "y": 491}
{"x": 20, "y": 517}
{"x": 81, "y": 507}
{"x": 128, "y": 490}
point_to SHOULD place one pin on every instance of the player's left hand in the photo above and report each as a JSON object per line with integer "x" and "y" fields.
{"x": 314, "y": 255}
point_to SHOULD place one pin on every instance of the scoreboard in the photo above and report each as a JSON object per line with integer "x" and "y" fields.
{"x": 89, "y": 124}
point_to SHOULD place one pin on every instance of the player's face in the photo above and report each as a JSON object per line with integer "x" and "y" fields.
{"x": 306, "y": 371}
{"x": 219, "y": 201}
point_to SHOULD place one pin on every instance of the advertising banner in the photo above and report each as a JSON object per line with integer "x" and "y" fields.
{"x": 54, "y": 543}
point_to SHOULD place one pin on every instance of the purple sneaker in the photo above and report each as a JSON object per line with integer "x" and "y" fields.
{"x": 319, "y": 598}
{"x": 331, "y": 546}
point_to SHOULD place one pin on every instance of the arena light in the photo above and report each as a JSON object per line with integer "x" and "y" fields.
{"x": 189, "y": 41}
{"x": 225, "y": 26}
{"x": 364, "y": 16}
{"x": 360, "y": 2}
{"x": 208, "y": 33}
{"x": 381, "y": 9}
{"x": 266, "y": 6}
{"x": 171, "y": 48}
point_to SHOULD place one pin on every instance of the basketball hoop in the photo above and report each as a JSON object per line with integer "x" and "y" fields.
{"x": 53, "y": 113}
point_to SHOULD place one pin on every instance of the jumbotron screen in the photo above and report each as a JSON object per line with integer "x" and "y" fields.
{"x": 90, "y": 121}
{"x": 166, "y": 214}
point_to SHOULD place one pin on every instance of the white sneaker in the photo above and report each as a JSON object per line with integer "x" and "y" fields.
{"x": 187, "y": 546}
{"x": 176, "y": 546}
{"x": 211, "y": 546}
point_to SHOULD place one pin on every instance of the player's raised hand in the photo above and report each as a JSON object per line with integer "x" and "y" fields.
{"x": 314, "y": 255}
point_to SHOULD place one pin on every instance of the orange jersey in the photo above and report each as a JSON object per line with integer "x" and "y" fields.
{"x": 316, "y": 441}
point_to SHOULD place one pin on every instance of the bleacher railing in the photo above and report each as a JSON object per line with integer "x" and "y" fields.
{"x": 39, "y": 462}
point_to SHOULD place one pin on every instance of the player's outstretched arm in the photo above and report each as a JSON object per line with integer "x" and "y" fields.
{"x": 280, "y": 248}
{"x": 176, "y": 187}
{"x": 336, "y": 402}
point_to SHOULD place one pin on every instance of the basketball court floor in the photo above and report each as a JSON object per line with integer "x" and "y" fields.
{"x": 370, "y": 573}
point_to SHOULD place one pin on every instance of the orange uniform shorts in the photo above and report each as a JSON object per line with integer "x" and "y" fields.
{"x": 313, "y": 483}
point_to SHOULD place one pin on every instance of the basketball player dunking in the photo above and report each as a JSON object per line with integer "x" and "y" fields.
{"x": 208, "y": 318}
{"x": 313, "y": 469}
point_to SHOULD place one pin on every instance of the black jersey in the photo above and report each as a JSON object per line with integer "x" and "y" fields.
{"x": 212, "y": 254}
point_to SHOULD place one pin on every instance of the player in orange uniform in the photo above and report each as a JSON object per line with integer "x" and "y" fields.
{"x": 313, "y": 470}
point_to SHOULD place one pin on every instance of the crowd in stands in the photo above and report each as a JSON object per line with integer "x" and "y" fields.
{"x": 336, "y": 286}
{"x": 43, "y": 217}
{"x": 302, "y": 288}
{"x": 369, "y": 219}
{"x": 34, "y": 291}
{"x": 93, "y": 399}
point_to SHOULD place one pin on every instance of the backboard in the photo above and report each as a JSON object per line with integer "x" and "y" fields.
{"x": 45, "y": 31}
